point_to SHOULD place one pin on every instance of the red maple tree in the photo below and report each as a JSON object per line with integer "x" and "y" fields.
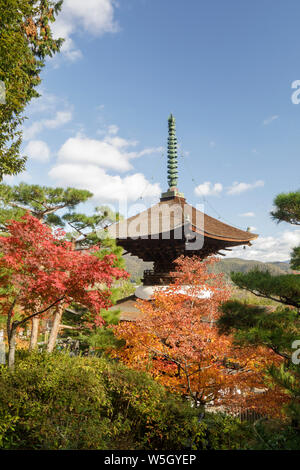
{"x": 176, "y": 339}
{"x": 40, "y": 271}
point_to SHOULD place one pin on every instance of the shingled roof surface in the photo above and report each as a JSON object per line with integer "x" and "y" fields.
{"x": 128, "y": 309}
{"x": 172, "y": 214}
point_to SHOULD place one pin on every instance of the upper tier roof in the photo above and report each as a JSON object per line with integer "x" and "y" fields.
{"x": 171, "y": 215}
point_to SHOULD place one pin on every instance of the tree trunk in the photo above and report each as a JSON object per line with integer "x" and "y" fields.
{"x": 55, "y": 328}
{"x": 12, "y": 348}
{"x": 34, "y": 333}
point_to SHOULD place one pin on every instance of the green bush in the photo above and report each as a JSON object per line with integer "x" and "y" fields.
{"x": 218, "y": 431}
{"x": 223, "y": 432}
{"x": 54, "y": 401}
{"x": 276, "y": 435}
{"x": 61, "y": 402}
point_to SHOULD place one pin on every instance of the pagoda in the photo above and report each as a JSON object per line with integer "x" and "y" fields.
{"x": 172, "y": 228}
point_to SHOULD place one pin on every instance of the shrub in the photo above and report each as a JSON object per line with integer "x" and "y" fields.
{"x": 61, "y": 402}
{"x": 276, "y": 435}
{"x": 223, "y": 432}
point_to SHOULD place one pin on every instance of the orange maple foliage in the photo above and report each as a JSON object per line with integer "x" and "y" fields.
{"x": 177, "y": 341}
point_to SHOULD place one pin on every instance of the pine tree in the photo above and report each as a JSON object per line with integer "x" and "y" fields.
{"x": 287, "y": 209}
{"x": 42, "y": 202}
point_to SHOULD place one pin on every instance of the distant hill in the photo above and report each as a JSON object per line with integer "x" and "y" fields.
{"x": 229, "y": 265}
{"x": 136, "y": 267}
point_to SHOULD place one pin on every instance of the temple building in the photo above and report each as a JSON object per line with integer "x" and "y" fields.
{"x": 169, "y": 229}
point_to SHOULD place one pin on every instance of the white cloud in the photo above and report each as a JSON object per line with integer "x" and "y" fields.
{"x": 110, "y": 152}
{"x": 150, "y": 151}
{"x": 208, "y": 188}
{"x": 46, "y": 102}
{"x": 83, "y": 150}
{"x": 105, "y": 187}
{"x": 238, "y": 188}
{"x": 37, "y": 150}
{"x": 94, "y": 17}
{"x": 60, "y": 118}
{"x": 247, "y": 214}
{"x": 83, "y": 162}
{"x": 16, "y": 179}
{"x": 270, "y": 119}
{"x": 118, "y": 142}
{"x": 31, "y": 131}
{"x": 269, "y": 248}
{"x": 113, "y": 129}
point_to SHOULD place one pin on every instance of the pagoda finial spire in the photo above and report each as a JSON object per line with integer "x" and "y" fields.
{"x": 172, "y": 163}
{"x": 172, "y": 154}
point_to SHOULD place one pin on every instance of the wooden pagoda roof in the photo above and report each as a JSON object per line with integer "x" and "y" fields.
{"x": 171, "y": 215}
{"x": 128, "y": 309}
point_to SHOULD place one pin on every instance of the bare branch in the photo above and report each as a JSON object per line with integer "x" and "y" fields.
{"x": 21, "y": 322}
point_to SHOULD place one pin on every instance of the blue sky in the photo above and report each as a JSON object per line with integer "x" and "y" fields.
{"x": 224, "y": 69}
